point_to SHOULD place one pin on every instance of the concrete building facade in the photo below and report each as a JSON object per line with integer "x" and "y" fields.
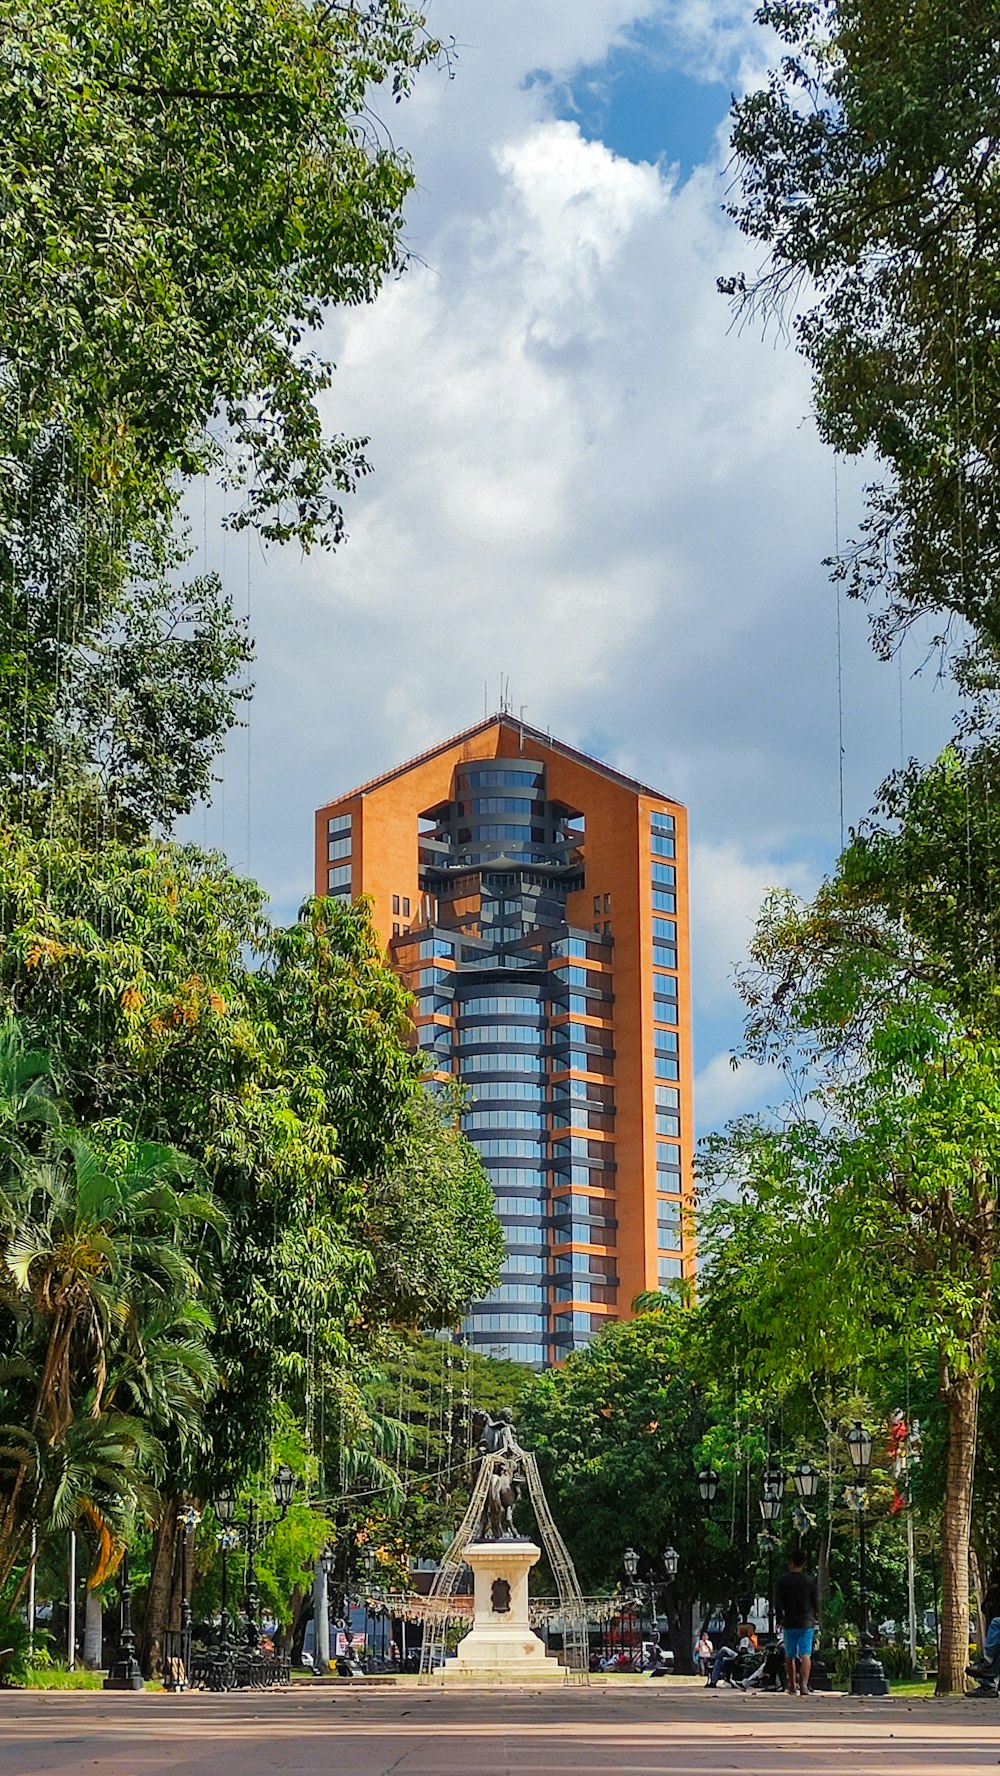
{"x": 535, "y": 902}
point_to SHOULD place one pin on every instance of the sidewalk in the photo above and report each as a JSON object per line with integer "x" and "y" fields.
{"x": 348, "y": 1731}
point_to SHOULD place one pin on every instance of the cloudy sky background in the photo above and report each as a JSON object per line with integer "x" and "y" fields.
{"x": 587, "y": 480}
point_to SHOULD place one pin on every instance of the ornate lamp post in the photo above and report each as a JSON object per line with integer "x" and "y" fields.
{"x": 225, "y": 1510}
{"x": 630, "y": 1561}
{"x": 806, "y": 1479}
{"x": 708, "y": 1486}
{"x": 772, "y": 1493}
{"x": 283, "y": 1489}
{"x": 189, "y": 1520}
{"x": 125, "y": 1673}
{"x": 868, "y": 1677}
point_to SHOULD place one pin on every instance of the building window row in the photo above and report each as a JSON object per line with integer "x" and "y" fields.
{"x": 665, "y": 1066}
{"x": 339, "y": 823}
{"x": 585, "y": 1292}
{"x": 664, "y": 956}
{"x": 662, "y": 844}
{"x": 478, "y": 1007}
{"x": 435, "y": 946}
{"x": 518, "y": 1149}
{"x": 664, "y": 901}
{"x": 498, "y": 1119}
{"x": 660, "y": 821}
{"x": 337, "y": 848}
{"x": 490, "y": 832}
{"x": 524, "y": 1264}
{"x": 508, "y": 1322}
{"x": 512, "y": 1062}
{"x": 664, "y": 875}
{"x": 405, "y": 905}
{"x": 498, "y": 779}
{"x": 509, "y": 1088}
{"x": 339, "y": 877}
{"x": 497, "y": 805}
{"x": 499, "y": 1035}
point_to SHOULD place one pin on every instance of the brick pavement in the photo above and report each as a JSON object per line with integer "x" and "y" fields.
{"x": 634, "y": 1732}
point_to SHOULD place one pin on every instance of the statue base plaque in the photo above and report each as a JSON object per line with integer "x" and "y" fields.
{"x": 501, "y": 1646}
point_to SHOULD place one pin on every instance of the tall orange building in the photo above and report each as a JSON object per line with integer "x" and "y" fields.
{"x": 535, "y": 902}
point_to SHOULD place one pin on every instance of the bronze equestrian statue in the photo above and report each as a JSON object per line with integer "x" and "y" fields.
{"x": 496, "y": 1441}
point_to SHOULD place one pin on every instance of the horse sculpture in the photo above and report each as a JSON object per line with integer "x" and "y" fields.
{"x": 497, "y": 1445}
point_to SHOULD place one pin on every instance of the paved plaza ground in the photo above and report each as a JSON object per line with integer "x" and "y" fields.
{"x": 568, "y": 1732}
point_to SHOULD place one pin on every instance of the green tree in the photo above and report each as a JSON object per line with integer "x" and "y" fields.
{"x": 868, "y": 167}
{"x": 280, "y": 1062}
{"x": 432, "y": 1224}
{"x": 618, "y": 1429}
{"x": 101, "y": 1269}
{"x": 881, "y": 1185}
{"x": 184, "y": 193}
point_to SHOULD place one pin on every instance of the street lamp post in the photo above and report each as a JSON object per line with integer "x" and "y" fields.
{"x": 189, "y": 1520}
{"x": 708, "y": 1486}
{"x": 225, "y": 1511}
{"x": 806, "y": 1479}
{"x": 868, "y": 1677}
{"x": 125, "y": 1673}
{"x": 772, "y": 1489}
{"x": 283, "y": 1489}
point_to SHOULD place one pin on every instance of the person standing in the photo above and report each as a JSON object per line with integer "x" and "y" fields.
{"x": 797, "y": 1604}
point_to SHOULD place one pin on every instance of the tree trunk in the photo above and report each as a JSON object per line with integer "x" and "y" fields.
{"x": 157, "y": 1618}
{"x": 679, "y": 1615}
{"x": 93, "y": 1632}
{"x": 961, "y": 1399}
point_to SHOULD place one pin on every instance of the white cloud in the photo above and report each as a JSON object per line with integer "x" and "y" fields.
{"x": 728, "y": 889}
{"x": 585, "y": 479}
{"x": 723, "y": 1091}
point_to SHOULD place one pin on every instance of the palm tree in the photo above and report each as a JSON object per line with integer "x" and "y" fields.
{"x": 101, "y": 1257}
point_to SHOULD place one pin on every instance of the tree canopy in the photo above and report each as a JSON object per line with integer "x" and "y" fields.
{"x": 868, "y": 169}
{"x": 880, "y": 1182}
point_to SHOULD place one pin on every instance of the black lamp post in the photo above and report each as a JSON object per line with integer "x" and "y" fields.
{"x": 806, "y": 1479}
{"x": 630, "y": 1561}
{"x": 772, "y": 1491}
{"x": 189, "y": 1520}
{"x": 868, "y": 1677}
{"x": 708, "y": 1486}
{"x": 225, "y": 1510}
{"x": 125, "y": 1673}
{"x": 283, "y": 1489}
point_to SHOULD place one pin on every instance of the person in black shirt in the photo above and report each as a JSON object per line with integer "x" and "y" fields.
{"x": 797, "y": 1604}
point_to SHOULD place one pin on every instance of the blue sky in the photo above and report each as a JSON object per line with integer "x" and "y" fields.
{"x": 585, "y": 478}
{"x": 641, "y": 104}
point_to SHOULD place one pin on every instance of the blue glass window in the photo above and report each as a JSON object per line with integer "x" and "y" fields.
{"x": 664, "y": 902}
{"x": 665, "y": 873}
{"x": 662, "y": 845}
{"x": 666, "y": 929}
{"x": 663, "y": 956}
{"x": 339, "y": 877}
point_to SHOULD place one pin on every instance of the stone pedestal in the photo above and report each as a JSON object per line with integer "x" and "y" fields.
{"x": 501, "y": 1644}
